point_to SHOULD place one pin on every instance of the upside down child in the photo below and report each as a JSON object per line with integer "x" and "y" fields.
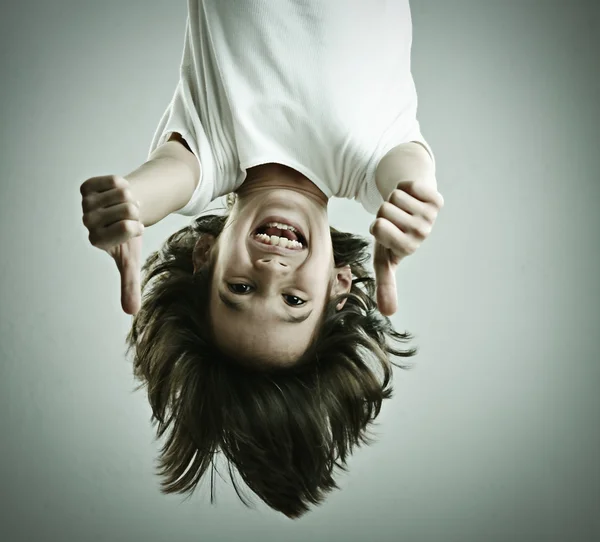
{"x": 261, "y": 333}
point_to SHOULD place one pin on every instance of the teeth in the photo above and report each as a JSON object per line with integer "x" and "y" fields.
{"x": 278, "y": 241}
{"x": 281, "y": 226}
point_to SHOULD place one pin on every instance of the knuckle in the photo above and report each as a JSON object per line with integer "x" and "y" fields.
{"x": 378, "y": 226}
{"x": 132, "y": 210}
{"x": 385, "y": 209}
{"x": 429, "y": 215}
{"x": 87, "y": 203}
{"x": 94, "y": 238}
{"x": 122, "y": 192}
{"x": 395, "y": 197}
{"x": 423, "y": 230}
{"x": 120, "y": 182}
{"x": 120, "y": 228}
{"x": 114, "y": 182}
{"x": 128, "y": 195}
{"x": 411, "y": 248}
{"x": 88, "y": 185}
{"x": 435, "y": 199}
{"x": 126, "y": 227}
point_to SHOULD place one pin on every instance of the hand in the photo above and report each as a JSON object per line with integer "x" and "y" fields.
{"x": 112, "y": 217}
{"x": 403, "y": 222}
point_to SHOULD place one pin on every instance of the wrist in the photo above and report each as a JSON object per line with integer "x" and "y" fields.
{"x": 162, "y": 185}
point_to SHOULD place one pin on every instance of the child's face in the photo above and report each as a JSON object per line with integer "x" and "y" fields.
{"x": 268, "y": 289}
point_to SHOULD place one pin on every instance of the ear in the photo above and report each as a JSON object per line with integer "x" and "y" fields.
{"x": 342, "y": 284}
{"x": 202, "y": 250}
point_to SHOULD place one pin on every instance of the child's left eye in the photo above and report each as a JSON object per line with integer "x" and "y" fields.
{"x": 235, "y": 288}
{"x": 294, "y": 300}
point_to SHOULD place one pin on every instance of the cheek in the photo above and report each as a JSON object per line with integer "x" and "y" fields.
{"x": 223, "y": 258}
{"x": 317, "y": 277}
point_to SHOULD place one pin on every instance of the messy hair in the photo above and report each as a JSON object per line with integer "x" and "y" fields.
{"x": 284, "y": 431}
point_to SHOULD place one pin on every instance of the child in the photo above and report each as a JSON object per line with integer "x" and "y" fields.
{"x": 258, "y": 334}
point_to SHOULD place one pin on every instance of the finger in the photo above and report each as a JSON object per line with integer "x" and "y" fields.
{"x": 424, "y": 191}
{"x": 405, "y": 201}
{"x": 116, "y": 213}
{"x": 397, "y": 216}
{"x": 102, "y": 184}
{"x": 115, "y": 234}
{"x": 385, "y": 279}
{"x": 98, "y": 200}
{"x": 412, "y": 206}
{"x": 131, "y": 296}
{"x": 415, "y": 226}
{"x": 101, "y": 218}
{"x": 392, "y": 238}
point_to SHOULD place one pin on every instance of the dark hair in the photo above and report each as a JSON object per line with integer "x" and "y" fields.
{"x": 284, "y": 431}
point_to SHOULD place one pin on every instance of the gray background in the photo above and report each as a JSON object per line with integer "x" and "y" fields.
{"x": 494, "y": 436}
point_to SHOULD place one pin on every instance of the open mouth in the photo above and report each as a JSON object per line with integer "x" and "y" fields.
{"x": 280, "y": 234}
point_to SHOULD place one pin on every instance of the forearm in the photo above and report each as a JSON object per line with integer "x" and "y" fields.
{"x": 406, "y": 162}
{"x": 165, "y": 183}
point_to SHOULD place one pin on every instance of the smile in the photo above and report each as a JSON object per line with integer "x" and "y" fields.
{"x": 277, "y": 232}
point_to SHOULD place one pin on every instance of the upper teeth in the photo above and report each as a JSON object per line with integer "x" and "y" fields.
{"x": 281, "y": 226}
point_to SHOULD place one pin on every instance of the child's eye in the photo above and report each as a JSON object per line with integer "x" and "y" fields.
{"x": 239, "y": 288}
{"x": 294, "y": 300}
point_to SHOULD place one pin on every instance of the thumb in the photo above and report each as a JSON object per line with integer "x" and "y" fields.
{"x": 385, "y": 278}
{"x": 131, "y": 294}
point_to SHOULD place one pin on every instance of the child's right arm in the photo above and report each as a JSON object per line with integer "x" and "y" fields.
{"x": 166, "y": 182}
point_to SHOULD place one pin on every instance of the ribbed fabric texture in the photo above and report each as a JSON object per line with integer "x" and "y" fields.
{"x": 322, "y": 86}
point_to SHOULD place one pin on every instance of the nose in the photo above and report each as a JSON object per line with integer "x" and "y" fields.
{"x": 272, "y": 264}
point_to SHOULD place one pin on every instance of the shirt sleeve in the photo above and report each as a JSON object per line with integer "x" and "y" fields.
{"x": 182, "y": 116}
{"x": 369, "y": 195}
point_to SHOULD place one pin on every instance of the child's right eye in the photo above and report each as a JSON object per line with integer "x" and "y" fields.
{"x": 239, "y": 288}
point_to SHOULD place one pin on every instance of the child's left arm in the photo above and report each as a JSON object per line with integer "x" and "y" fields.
{"x": 407, "y": 162}
{"x": 406, "y": 180}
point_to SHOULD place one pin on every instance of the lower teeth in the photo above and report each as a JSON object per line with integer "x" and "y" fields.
{"x": 274, "y": 240}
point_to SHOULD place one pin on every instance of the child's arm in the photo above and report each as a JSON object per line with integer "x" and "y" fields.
{"x": 166, "y": 182}
{"x": 407, "y": 162}
{"x": 406, "y": 181}
{"x": 114, "y": 206}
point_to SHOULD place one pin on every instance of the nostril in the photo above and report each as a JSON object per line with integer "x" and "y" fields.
{"x": 268, "y": 261}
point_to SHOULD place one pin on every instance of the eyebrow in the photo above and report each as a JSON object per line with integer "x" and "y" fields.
{"x": 237, "y": 306}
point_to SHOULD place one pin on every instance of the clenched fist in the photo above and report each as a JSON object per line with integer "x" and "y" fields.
{"x": 112, "y": 218}
{"x": 403, "y": 222}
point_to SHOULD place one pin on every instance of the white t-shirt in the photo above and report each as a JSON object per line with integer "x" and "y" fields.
{"x": 322, "y": 86}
